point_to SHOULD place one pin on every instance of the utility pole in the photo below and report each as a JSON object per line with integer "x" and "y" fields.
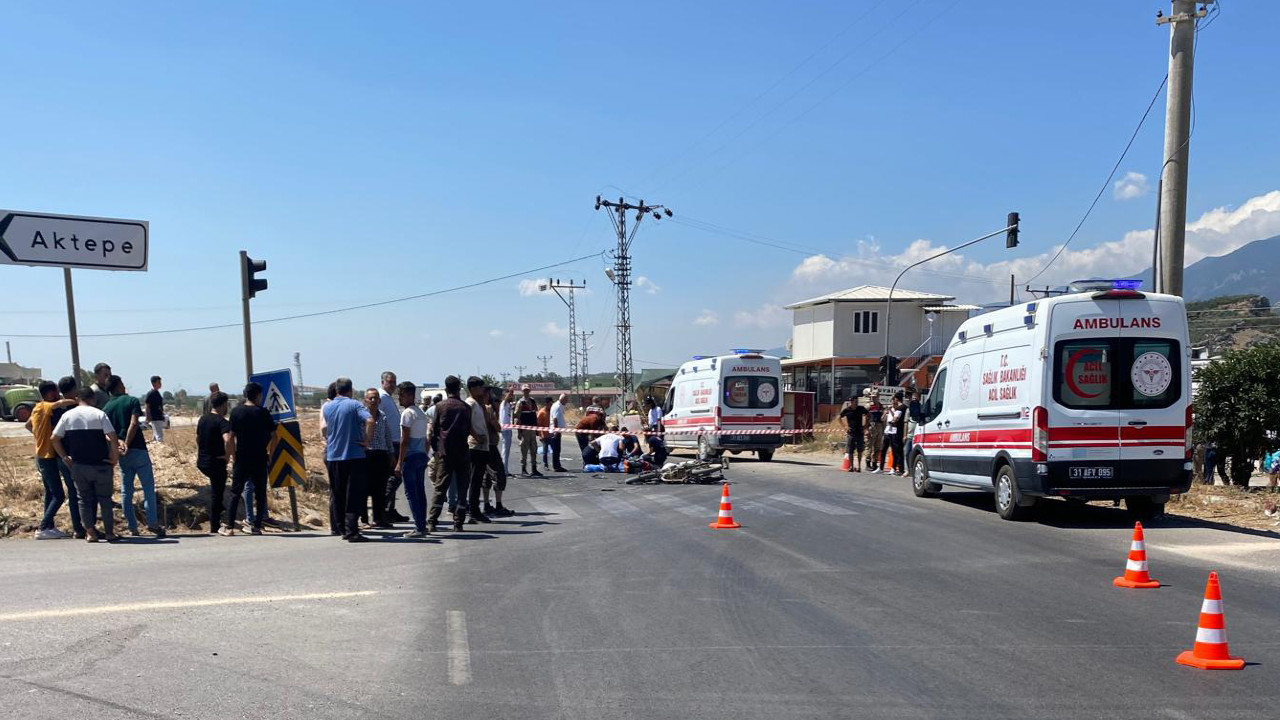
{"x": 557, "y": 286}
{"x": 520, "y": 371}
{"x": 297, "y": 364}
{"x": 1011, "y": 290}
{"x": 544, "y": 359}
{"x": 621, "y": 277}
{"x": 1172, "y": 230}
{"x": 71, "y": 323}
{"x": 585, "y": 373}
{"x": 504, "y": 375}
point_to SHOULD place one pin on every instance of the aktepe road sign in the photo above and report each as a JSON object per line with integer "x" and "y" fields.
{"x": 71, "y": 241}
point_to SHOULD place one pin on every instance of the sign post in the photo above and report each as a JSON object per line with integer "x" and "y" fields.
{"x": 73, "y": 241}
{"x": 286, "y": 466}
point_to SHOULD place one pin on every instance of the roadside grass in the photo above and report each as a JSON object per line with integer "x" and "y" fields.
{"x": 183, "y": 491}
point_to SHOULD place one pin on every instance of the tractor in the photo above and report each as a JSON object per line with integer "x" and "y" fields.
{"x": 16, "y": 402}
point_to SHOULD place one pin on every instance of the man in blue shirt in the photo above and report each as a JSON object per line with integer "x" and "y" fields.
{"x": 347, "y": 424}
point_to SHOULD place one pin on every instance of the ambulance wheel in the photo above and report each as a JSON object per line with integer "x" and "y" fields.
{"x": 1008, "y": 498}
{"x": 705, "y": 452}
{"x": 764, "y": 455}
{"x": 1143, "y": 507}
{"x": 920, "y": 478}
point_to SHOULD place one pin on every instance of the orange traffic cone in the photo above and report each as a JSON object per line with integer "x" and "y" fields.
{"x": 844, "y": 466}
{"x": 1135, "y": 570}
{"x": 888, "y": 460}
{"x": 725, "y": 520}
{"x": 1210, "y": 651}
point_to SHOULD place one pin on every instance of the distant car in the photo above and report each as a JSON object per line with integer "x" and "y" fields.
{"x": 16, "y": 402}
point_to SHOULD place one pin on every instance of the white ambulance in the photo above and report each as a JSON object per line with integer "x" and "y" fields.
{"x": 729, "y": 402}
{"x": 1083, "y": 396}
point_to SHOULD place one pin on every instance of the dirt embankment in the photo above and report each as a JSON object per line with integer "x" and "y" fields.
{"x": 182, "y": 490}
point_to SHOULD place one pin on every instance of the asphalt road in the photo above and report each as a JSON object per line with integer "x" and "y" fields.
{"x": 842, "y": 596}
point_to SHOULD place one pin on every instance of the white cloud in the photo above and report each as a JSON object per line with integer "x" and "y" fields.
{"x": 649, "y": 286}
{"x": 495, "y": 333}
{"x": 554, "y": 330}
{"x": 529, "y": 287}
{"x": 1216, "y": 232}
{"x": 1132, "y": 185}
{"x": 707, "y": 317}
{"x": 764, "y": 317}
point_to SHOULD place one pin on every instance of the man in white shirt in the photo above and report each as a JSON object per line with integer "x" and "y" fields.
{"x": 387, "y": 401}
{"x": 504, "y": 419}
{"x": 557, "y": 435}
{"x": 478, "y": 447}
{"x": 609, "y": 447}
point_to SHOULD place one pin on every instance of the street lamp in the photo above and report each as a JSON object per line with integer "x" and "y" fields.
{"x": 1011, "y": 233}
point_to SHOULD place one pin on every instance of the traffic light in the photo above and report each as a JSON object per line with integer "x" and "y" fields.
{"x": 1011, "y": 235}
{"x": 250, "y": 285}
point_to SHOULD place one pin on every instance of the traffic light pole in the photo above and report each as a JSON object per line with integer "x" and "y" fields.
{"x": 1010, "y": 231}
{"x": 249, "y": 288}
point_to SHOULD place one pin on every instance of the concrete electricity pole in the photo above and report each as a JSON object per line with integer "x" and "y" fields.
{"x": 1172, "y": 228}
{"x": 557, "y": 286}
{"x": 621, "y": 277}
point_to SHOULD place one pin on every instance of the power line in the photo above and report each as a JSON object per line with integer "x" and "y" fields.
{"x": 333, "y": 311}
{"x": 1107, "y": 182}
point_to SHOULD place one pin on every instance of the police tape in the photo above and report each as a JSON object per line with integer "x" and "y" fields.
{"x": 684, "y": 431}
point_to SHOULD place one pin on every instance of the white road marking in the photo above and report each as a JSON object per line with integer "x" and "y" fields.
{"x": 178, "y": 605}
{"x": 459, "y": 649}
{"x": 808, "y": 504}
{"x": 752, "y": 506}
{"x": 551, "y": 506}
{"x": 616, "y": 506}
{"x": 679, "y": 506}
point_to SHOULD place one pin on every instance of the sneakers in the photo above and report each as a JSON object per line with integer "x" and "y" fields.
{"x": 255, "y": 530}
{"x": 457, "y": 525}
{"x": 357, "y": 539}
{"x": 111, "y": 537}
{"x": 82, "y": 535}
{"x": 157, "y": 531}
{"x": 480, "y": 518}
{"x": 431, "y": 526}
{"x": 535, "y": 473}
{"x": 226, "y": 531}
{"x": 502, "y": 511}
{"x": 415, "y": 535}
{"x": 488, "y": 509}
{"x": 50, "y": 534}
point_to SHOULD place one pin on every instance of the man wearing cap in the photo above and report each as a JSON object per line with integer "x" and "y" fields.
{"x": 527, "y": 416}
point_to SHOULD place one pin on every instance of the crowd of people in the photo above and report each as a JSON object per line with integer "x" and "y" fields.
{"x": 878, "y": 437}
{"x": 451, "y": 449}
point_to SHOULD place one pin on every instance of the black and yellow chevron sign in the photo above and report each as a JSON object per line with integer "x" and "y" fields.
{"x": 288, "y": 468}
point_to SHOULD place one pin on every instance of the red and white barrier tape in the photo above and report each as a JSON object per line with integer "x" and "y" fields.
{"x": 682, "y": 431}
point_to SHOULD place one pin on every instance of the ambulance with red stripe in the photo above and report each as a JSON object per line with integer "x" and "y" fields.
{"x": 728, "y": 402}
{"x": 1084, "y": 396}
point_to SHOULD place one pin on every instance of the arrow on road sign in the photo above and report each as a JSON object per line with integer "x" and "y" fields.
{"x": 288, "y": 466}
{"x": 72, "y": 241}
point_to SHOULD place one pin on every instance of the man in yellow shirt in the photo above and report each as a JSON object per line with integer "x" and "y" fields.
{"x": 43, "y": 417}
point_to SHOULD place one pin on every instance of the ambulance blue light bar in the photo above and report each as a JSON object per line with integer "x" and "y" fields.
{"x": 745, "y": 351}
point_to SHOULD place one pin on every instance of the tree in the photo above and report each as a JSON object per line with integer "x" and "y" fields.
{"x": 1237, "y": 403}
{"x": 167, "y": 396}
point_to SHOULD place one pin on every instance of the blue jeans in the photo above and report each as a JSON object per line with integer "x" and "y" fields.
{"x": 250, "y": 515}
{"x": 73, "y": 497}
{"x": 414, "y": 471}
{"x": 137, "y": 463}
{"x": 54, "y": 495}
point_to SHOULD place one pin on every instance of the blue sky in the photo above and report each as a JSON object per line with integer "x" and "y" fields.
{"x": 372, "y": 153}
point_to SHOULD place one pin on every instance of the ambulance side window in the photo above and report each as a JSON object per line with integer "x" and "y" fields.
{"x": 936, "y": 393}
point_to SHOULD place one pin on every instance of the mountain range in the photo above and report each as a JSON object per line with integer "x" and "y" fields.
{"x": 1250, "y": 270}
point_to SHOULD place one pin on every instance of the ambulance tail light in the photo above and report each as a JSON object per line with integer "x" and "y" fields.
{"x": 1039, "y": 434}
{"x": 1188, "y": 446}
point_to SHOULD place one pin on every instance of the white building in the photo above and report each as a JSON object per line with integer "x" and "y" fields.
{"x": 837, "y": 339}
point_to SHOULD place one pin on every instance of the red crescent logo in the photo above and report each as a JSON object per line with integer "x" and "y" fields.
{"x": 1071, "y": 368}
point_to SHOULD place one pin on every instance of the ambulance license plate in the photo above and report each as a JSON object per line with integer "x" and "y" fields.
{"x": 1092, "y": 473}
